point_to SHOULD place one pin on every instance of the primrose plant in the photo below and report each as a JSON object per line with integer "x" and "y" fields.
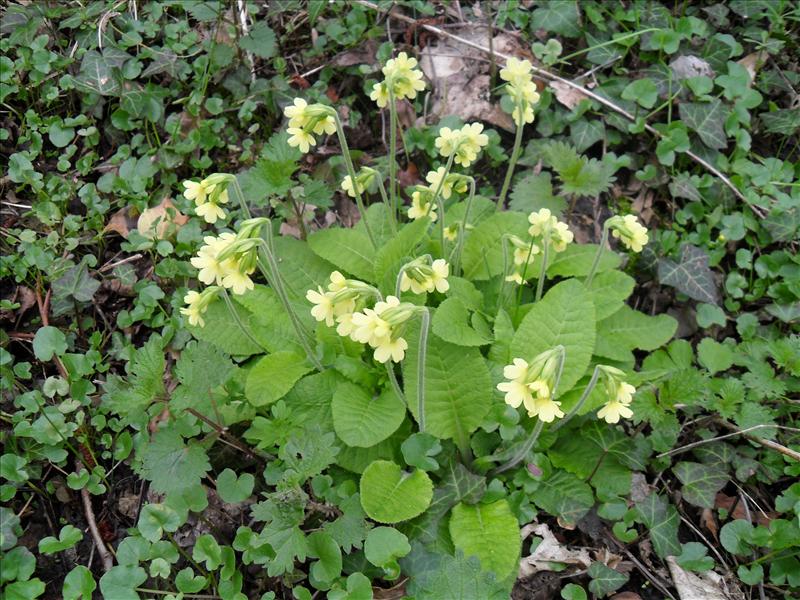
{"x": 417, "y": 323}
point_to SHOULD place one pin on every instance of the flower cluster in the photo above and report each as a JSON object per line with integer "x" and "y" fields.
{"x": 381, "y": 327}
{"x": 229, "y": 259}
{"x": 521, "y": 89}
{"x": 550, "y": 230}
{"x": 533, "y": 385}
{"x": 306, "y": 121}
{"x": 629, "y": 231}
{"x": 449, "y": 182}
{"x": 464, "y": 143}
{"x": 208, "y": 195}
{"x": 524, "y": 257}
{"x": 363, "y": 180}
{"x": 620, "y": 396}
{"x": 401, "y": 80}
{"x": 420, "y": 277}
{"x": 197, "y": 303}
{"x": 422, "y": 204}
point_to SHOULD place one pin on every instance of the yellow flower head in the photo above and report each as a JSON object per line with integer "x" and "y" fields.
{"x": 300, "y": 138}
{"x": 210, "y": 212}
{"x": 620, "y": 396}
{"x": 421, "y": 278}
{"x": 380, "y": 94}
{"x": 197, "y": 303}
{"x": 516, "y": 72}
{"x": 297, "y": 113}
{"x": 547, "y": 227}
{"x": 465, "y": 143}
{"x": 402, "y": 79}
{"x": 232, "y": 271}
{"x": 196, "y": 191}
{"x": 532, "y": 385}
{"x": 629, "y": 231}
{"x": 390, "y": 348}
{"x": 451, "y": 233}
{"x": 421, "y": 205}
{"x": 437, "y": 178}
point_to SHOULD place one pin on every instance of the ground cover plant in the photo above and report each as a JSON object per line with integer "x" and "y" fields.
{"x": 363, "y": 300}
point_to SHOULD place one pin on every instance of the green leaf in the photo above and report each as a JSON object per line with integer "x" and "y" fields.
{"x": 557, "y": 16}
{"x": 398, "y": 251}
{"x": 605, "y": 579}
{"x": 301, "y": 269}
{"x": 171, "y": 466}
{"x": 565, "y": 496}
{"x": 233, "y": 489}
{"x": 121, "y": 582}
{"x": 577, "y": 260}
{"x": 661, "y": 518}
{"x": 361, "y": 419}
{"x": 458, "y": 387}
{"x": 189, "y": 583}
{"x": 710, "y": 314}
{"x": 714, "y": 356}
{"x": 24, "y": 590}
{"x": 260, "y": 41}
{"x": 200, "y": 368}
{"x": 207, "y": 550}
{"x": 735, "y": 537}
{"x": 273, "y": 376}
{"x": 585, "y": 133}
{"x": 534, "y": 191}
{"x": 572, "y": 591}
{"x": 642, "y": 91}
{"x": 350, "y": 529}
{"x": 78, "y": 584}
{"x": 348, "y": 249}
{"x": 418, "y": 450}
{"x": 49, "y": 341}
{"x": 155, "y": 519}
{"x": 579, "y": 175}
{"x": 707, "y": 120}
{"x": 490, "y": 532}
{"x": 695, "y": 557}
{"x": 382, "y": 548}
{"x": 99, "y": 73}
{"x": 482, "y": 257}
{"x": 751, "y": 575}
{"x": 390, "y": 495}
{"x": 691, "y": 275}
{"x": 76, "y": 283}
{"x": 222, "y": 331}
{"x": 439, "y": 576}
{"x": 627, "y": 329}
{"x": 67, "y": 538}
{"x": 700, "y": 482}
{"x": 564, "y": 316}
{"x": 268, "y": 320}
{"x": 323, "y": 547}
{"x": 145, "y": 383}
{"x": 359, "y": 587}
{"x": 451, "y": 323}
{"x": 609, "y": 290}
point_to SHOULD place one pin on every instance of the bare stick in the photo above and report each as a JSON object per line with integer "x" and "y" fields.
{"x": 794, "y": 454}
{"x": 105, "y": 555}
{"x": 588, "y": 93}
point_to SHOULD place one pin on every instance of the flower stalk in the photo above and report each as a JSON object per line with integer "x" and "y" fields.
{"x": 392, "y": 154}
{"x": 455, "y": 259}
{"x": 238, "y": 319}
{"x": 437, "y": 199}
{"x": 542, "y": 270}
{"x": 389, "y": 206}
{"x": 512, "y": 163}
{"x": 598, "y": 255}
{"x": 421, "y": 358}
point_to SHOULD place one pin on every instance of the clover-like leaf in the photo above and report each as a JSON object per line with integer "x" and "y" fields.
{"x": 233, "y": 489}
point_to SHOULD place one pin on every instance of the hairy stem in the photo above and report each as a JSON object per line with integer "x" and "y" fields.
{"x": 392, "y": 153}
{"x": 238, "y": 319}
{"x": 422, "y": 357}
{"x": 543, "y": 270}
{"x": 581, "y": 401}
{"x": 348, "y": 161}
{"x": 511, "y": 164}
{"x": 598, "y": 255}
{"x": 456, "y": 256}
{"x": 240, "y": 198}
{"x": 395, "y": 384}
{"x": 522, "y": 453}
{"x": 388, "y": 203}
{"x": 437, "y": 199}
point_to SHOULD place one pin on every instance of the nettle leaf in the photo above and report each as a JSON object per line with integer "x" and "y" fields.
{"x": 170, "y": 465}
{"x": 707, "y": 119}
{"x": 490, "y": 532}
{"x": 691, "y": 275}
{"x": 609, "y": 290}
{"x": 260, "y": 41}
{"x": 661, "y": 519}
{"x": 565, "y": 496}
{"x": 627, "y": 329}
{"x": 396, "y": 252}
{"x": 700, "y": 482}
{"x": 565, "y": 316}
{"x": 391, "y": 495}
{"x": 362, "y": 419}
{"x": 273, "y": 376}
{"x": 605, "y": 579}
{"x": 451, "y": 322}
{"x": 579, "y": 175}
{"x": 200, "y": 368}
{"x": 482, "y": 257}
{"x": 534, "y": 191}
{"x": 350, "y": 529}
{"x": 348, "y": 249}
{"x": 144, "y": 384}
{"x": 458, "y": 387}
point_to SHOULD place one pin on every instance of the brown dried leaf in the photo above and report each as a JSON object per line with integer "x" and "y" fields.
{"x": 706, "y": 586}
{"x": 753, "y": 62}
{"x": 731, "y": 503}
{"x": 548, "y": 551}
{"x": 568, "y": 96}
{"x": 162, "y": 221}
{"x": 121, "y": 222}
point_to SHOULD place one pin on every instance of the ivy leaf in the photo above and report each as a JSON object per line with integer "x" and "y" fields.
{"x": 557, "y": 16}
{"x": 233, "y": 489}
{"x": 348, "y": 249}
{"x": 700, "y": 482}
{"x": 273, "y": 376}
{"x": 171, "y": 466}
{"x": 707, "y": 120}
{"x": 565, "y": 496}
{"x": 605, "y": 579}
{"x": 99, "y": 73}
{"x": 490, "y": 532}
{"x": 691, "y": 275}
{"x": 585, "y": 133}
{"x": 565, "y": 316}
{"x": 390, "y": 495}
{"x": 363, "y": 420}
{"x": 260, "y": 41}
{"x": 661, "y": 519}
{"x": 77, "y": 283}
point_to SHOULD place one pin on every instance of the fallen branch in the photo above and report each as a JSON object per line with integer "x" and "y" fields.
{"x": 794, "y": 454}
{"x": 587, "y": 92}
{"x": 105, "y": 555}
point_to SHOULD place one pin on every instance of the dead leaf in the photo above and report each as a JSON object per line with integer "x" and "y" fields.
{"x": 332, "y": 94}
{"x": 688, "y": 65}
{"x": 709, "y": 522}
{"x": 730, "y": 503}
{"x": 548, "y": 551}
{"x": 705, "y": 586}
{"x": 408, "y": 176}
{"x": 753, "y": 62}
{"x": 568, "y": 96}
{"x": 162, "y": 221}
{"x": 121, "y": 222}
{"x": 626, "y": 596}
{"x": 364, "y": 54}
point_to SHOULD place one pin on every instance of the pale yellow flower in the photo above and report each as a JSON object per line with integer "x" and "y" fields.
{"x": 338, "y": 282}
{"x": 438, "y": 278}
{"x": 451, "y": 233}
{"x": 394, "y": 349}
{"x": 435, "y": 177}
{"x": 630, "y": 232}
{"x": 516, "y": 393}
{"x": 540, "y": 221}
{"x": 323, "y": 306}
{"x": 212, "y": 270}
{"x": 297, "y": 113}
{"x": 516, "y": 71}
{"x": 420, "y": 208}
{"x": 193, "y": 310}
{"x": 380, "y": 94}
{"x": 347, "y": 186}
{"x": 237, "y": 281}
{"x": 560, "y": 236}
{"x": 301, "y": 139}
{"x": 210, "y": 212}
{"x": 196, "y": 191}
{"x": 369, "y": 328}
